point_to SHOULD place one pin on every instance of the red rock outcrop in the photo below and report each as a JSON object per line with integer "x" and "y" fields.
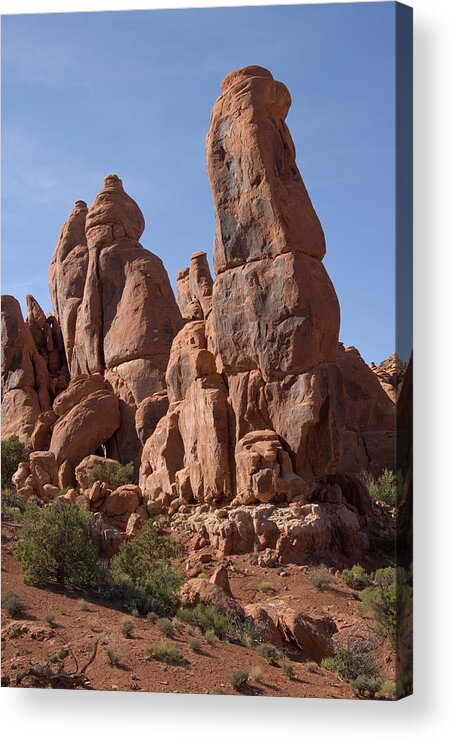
{"x": 46, "y": 333}
{"x": 149, "y": 413}
{"x": 84, "y": 416}
{"x": 67, "y": 274}
{"x": 188, "y": 455}
{"x": 236, "y": 395}
{"x": 26, "y": 385}
{"x": 89, "y": 416}
{"x": 370, "y": 432}
{"x": 259, "y": 399}
{"x": 275, "y": 312}
{"x": 122, "y": 315}
{"x": 195, "y": 288}
{"x": 390, "y": 375}
{"x": 199, "y": 590}
{"x": 264, "y": 469}
{"x": 312, "y": 636}
{"x": 331, "y": 528}
{"x": 38, "y": 476}
{"x": 261, "y": 618}
{"x": 86, "y": 466}
{"x": 261, "y": 204}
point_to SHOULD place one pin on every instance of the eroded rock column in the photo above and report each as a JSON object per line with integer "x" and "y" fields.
{"x": 257, "y": 402}
{"x": 275, "y": 318}
{"x": 122, "y": 320}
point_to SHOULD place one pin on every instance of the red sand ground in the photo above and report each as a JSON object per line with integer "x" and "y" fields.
{"x": 79, "y": 626}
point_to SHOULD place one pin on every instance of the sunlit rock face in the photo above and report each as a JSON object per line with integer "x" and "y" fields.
{"x": 254, "y": 373}
{"x": 117, "y": 307}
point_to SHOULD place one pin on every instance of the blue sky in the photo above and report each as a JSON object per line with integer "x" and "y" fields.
{"x": 86, "y": 94}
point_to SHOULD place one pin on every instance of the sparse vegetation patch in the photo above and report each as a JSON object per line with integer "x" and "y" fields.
{"x": 13, "y": 604}
{"x": 320, "y": 577}
{"x": 239, "y": 679}
{"x": 165, "y": 652}
{"x": 115, "y": 475}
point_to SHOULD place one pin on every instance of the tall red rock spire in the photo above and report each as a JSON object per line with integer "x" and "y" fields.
{"x": 116, "y": 303}
{"x": 253, "y": 378}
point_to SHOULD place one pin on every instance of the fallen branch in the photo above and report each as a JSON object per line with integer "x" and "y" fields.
{"x": 45, "y": 677}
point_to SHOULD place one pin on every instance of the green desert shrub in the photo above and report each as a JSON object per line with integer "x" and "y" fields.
{"x": 131, "y": 598}
{"x": 249, "y": 633}
{"x": 210, "y": 636}
{"x": 144, "y": 576}
{"x": 366, "y": 686}
{"x": 13, "y": 452}
{"x": 214, "y": 623}
{"x": 114, "y": 660}
{"x": 196, "y": 645}
{"x": 384, "y": 489}
{"x": 320, "y": 577}
{"x": 270, "y": 652}
{"x": 209, "y": 620}
{"x": 165, "y": 626}
{"x": 289, "y": 670}
{"x": 13, "y": 505}
{"x": 49, "y": 619}
{"x": 238, "y": 679}
{"x": 266, "y": 587}
{"x": 356, "y": 577}
{"x": 349, "y": 664}
{"x": 115, "y": 475}
{"x": 13, "y": 604}
{"x": 55, "y": 546}
{"x": 127, "y": 628}
{"x": 331, "y": 663}
{"x": 257, "y": 673}
{"x": 388, "y": 688}
{"x": 388, "y": 599}
{"x": 165, "y": 652}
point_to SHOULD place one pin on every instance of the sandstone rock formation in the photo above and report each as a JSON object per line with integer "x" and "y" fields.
{"x": 46, "y": 333}
{"x": 199, "y": 590}
{"x": 84, "y": 416}
{"x": 256, "y": 398}
{"x": 149, "y": 413}
{"x": 390, "y": 374}
{"x": 33, "y": 478}
{"x": 275, "y": 312}
{"x": 195, "y": 288}
{"x": 261, "y": 618}
{"x": 87, "y": 425}
{"x": 67, "y": 274}
{"x": 284, "y": 534}
{"x": 370, "y": 432}
{"x": 86, "y": 466}
{"x": 262, "y": 207}
{"x": 26, "y": 385}
{"x": 312, "y": 636}
{"x": 118, "y": 311}
{"x": 235, "y": 396}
